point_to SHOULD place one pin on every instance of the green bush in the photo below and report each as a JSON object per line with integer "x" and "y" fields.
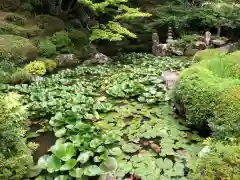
{"x": 50, "y": 65}
{"x": 36, "y": 68}
{"x": 15, "y": 19}
{"x": 8, "y": 28}
{"x": 17, "y": 49}
{"x": 209, "y": 93}
{"x": 187, "y": 40}
{"x": 20, "y": 76}
{"x": 79, "y": 38}
{"x": 46, "y": 48}
{"x": 208, "y": 53}
{"x": 50, "y": 24}
{"x": 62, "y": 41}
{"x": 222, "y": 162}
{"x": 5, "y": 77}
{"x": 7, "y": 66}
{"x": 15, "y": 156}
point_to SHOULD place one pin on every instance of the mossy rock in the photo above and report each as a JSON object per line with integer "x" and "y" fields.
{"x": 49, "y": 24}
{"x": 9, "y": 5}
{"x": 209, "y": 93}
{"x": 17, "y": 49}
{"x": 207, "y": 53}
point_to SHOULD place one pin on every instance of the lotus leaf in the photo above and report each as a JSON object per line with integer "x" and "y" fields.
{"x": 84, "y": 156}
{"x": 63, "y": 151}
{"x": 130, "y": 148}
{"x": 76, "y": 172}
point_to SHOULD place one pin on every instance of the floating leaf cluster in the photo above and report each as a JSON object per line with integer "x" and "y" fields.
{"x": 112, "y": 121}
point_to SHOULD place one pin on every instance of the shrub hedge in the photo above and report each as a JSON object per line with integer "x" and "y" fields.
{"x": 209, "y": 93}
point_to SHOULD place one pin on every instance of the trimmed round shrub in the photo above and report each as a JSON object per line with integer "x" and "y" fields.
{"x": 46, "y": 48}
{"x": 8, "y": 28}
{"x": 15, "y": 19}
{"x": 17, "y": 49}
{"x": 208, "y": 53}
{"x": 5, "y": 77}
{"x": 50, "y": 24}
{"x": 209, "y": 95}
{"x": 221, "y": 162}
{"x": 79, "y": 38}
{"x": 36, "y": 68}
{"x": 21, "y": 76}
{"x": 62, "y": 41}
{"x": 50, "y": 65}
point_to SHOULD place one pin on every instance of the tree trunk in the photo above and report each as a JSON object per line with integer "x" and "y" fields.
{"x": 219, "y": 29}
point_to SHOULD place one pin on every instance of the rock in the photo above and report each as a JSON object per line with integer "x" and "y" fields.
{"x": 177, "y": 52}
{"x": 100, "y": 58}
{"x": 190, "y": 51}
{"x": 169, "y": 78}
{"x": 219, "y": 42}
{"x": 66, "y": 60}
{"x": 17, "y": 49}
{"x": 227, "y": 47}
{"x": 200, "y": 45}
{"x": 9, "y": 5}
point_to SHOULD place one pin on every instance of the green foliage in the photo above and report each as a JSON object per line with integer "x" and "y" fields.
{"x": 46, "y": 48}
{"x": 107, "y": 136}
{"x": 15, "y": 156}
{"x": 21, "y": 76}
{"x": 208, "y": 54}
{"x": 7, "y": 66}
{"x": 79, "y": 38}
{"x": 113, "y": 31}
{"x": 61, "y": 41}
{"x": 187, "y": 41}
{"x": 49, "y": 24}
{"x": 36, "y": 68}
{"x": 9, "y": 28}
{"x": 15, "y": 19}
{"x": 208, "y": 93}
{"x": 16, "y": 48}
{"x": 221, "y": 161}
{"x": 50, "y": 65}
{"x": 4, "y": 77}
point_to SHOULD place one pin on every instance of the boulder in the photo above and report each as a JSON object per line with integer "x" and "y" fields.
{"x": 169, "y": 78}
{"x": 227, "y": 47}
{"x": 100, "y": 58}
{"x": 9, "y": 5}
{"x": 66, "y": 60}
{"x": 200, "y": 45}
{"x": 17, "y": 49}
{"x": 219, "y": 42}
{"x": 190, "y": 51}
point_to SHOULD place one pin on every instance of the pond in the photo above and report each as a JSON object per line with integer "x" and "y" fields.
{"x": 112, "y": 121}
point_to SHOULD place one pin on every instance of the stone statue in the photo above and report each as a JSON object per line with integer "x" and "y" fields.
{"x": 207, "y": 39}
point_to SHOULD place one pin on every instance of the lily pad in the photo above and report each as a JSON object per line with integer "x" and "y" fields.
{"x": 68, "y": 165}
{"x": 63, "y": 151}
{"x": 92, "y": 170}
{"x": 84, "y": 156}
{"x": 109, "y": 165}
{"x": 76, "y": 172}
{"x": 130, "y": 148}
